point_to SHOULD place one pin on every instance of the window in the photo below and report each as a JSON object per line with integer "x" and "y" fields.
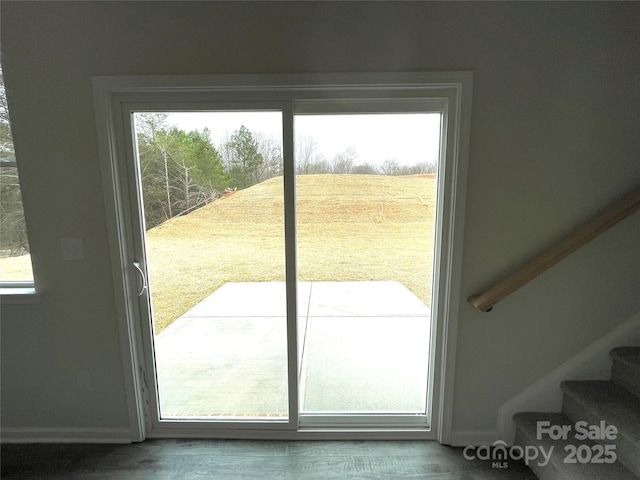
{"x": 15, "y": 259}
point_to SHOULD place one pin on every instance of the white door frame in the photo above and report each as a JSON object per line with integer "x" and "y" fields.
{"x": 454, "y": 88}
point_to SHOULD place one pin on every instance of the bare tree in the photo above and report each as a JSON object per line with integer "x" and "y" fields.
{"x": 343, "y": 162}
{"x": 271, "y": 150}
{"x": 390, "y": 167}
{"x": 308, "y": 159}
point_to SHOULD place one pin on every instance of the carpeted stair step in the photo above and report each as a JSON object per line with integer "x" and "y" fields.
{"x": 595, "y": 401}
{"x": 626, "y": 368}
{"x": 560, "y": 466}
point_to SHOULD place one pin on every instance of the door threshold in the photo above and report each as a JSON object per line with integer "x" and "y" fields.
{"x": 303, "y": 434}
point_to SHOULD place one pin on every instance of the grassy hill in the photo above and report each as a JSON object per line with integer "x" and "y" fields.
{"x": 350, "y": 228}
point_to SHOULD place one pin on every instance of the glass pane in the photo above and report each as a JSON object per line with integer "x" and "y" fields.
{"x": 213, "y": 200}
{"x": 366, "y": 193}
{"x": 15, "y": 260}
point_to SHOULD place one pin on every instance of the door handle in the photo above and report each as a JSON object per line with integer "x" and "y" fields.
{"x": 143, "y": 277}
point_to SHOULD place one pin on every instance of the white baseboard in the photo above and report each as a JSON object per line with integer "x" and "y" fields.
{"x": 593, "y": 363}
{"x": 476, "y": 438}
{"x": 64, "y": 435}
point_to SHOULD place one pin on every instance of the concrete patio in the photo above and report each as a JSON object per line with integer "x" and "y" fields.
{"x": 363, "y": 348}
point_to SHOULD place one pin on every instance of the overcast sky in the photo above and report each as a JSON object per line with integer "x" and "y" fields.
{"x": 407, "y": 138}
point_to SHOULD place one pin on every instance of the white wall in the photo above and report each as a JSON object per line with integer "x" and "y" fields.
{"x": 554, "y": 139}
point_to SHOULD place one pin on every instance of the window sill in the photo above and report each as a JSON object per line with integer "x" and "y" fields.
{"x": 19, "y": 296}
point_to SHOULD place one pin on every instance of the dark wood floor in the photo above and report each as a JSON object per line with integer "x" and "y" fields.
{"x": 240, "y": 459}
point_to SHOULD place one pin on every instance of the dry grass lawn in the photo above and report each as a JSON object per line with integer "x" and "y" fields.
{"x": 16, "y": 268}
{"x": 350, "y": 228}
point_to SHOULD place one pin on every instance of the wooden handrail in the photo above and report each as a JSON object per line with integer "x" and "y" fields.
{"x": 553, "y": 255}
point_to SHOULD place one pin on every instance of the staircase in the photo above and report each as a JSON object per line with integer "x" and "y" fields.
{"x": 615, "y": 402}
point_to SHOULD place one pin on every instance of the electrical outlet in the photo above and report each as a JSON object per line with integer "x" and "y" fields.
{"x": 72, "y": 248}
{"x": 83, "y": 379}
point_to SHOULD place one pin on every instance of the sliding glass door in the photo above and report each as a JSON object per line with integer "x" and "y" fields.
{"x": 283, "y": 256}
{"x": 209, "y": 191}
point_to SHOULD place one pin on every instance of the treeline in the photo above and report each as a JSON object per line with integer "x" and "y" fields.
{"x": 182, "y": 171}
{"x": 13, "y": 232}
{"x": 309, "y": 161}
